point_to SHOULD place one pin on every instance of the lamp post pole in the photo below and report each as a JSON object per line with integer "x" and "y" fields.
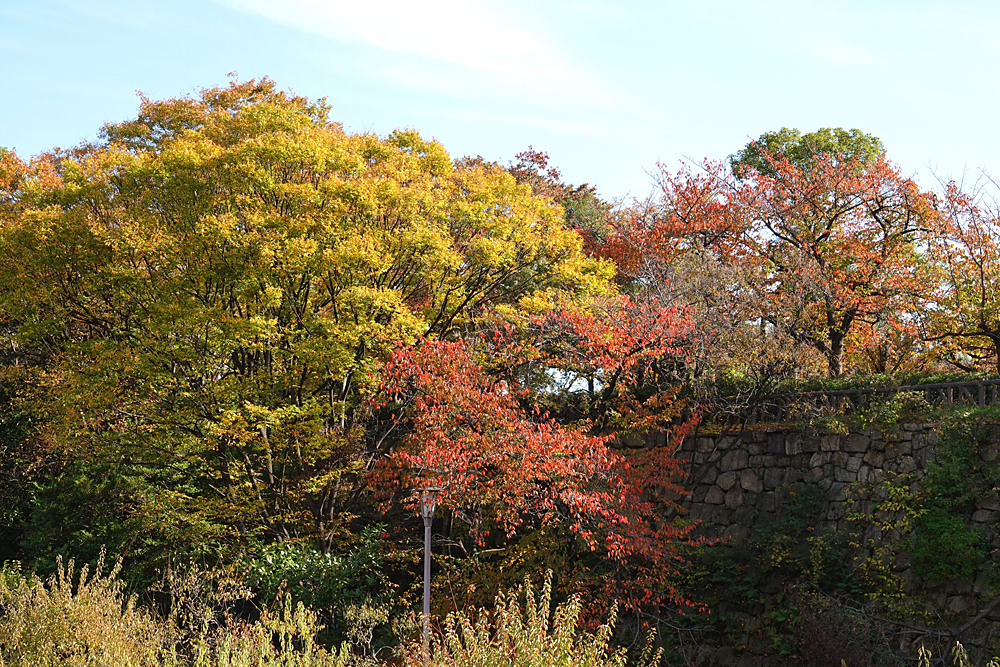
{"x": 428, "y": 501}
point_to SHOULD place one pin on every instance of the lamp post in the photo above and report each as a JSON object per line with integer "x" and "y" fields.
{"x": 429, "y": 497}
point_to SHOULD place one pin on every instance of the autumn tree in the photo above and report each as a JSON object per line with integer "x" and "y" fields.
{"x": 583, "y": 208}
{"x": 835, "y": 236}
{"x": 479, "y": 433}
{"x": 966, "y": 242}
{"x": 201, "y": 294}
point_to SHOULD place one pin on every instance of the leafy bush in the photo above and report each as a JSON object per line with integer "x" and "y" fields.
{"x": 944, "y": 546}
{"x": 340, "y": 585}
{"x": 534, "y": 637}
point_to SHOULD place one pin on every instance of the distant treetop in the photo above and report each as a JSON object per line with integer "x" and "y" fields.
{"x": 800, "y": 149}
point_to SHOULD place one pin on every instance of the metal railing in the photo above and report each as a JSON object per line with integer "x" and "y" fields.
{"x": 778, "y": 407}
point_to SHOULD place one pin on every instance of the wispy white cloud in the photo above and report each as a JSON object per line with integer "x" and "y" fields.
{"x": 469, "y": 34}
{"x": 525, "y": 120}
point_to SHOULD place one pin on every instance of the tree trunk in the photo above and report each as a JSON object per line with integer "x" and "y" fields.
{"x": 835, "y": 355}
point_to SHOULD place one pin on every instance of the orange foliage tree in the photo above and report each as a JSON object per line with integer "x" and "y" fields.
{"x": 837, "y": 242}
{"x": 967, "y": 314}
{"x": 827, "y": 247}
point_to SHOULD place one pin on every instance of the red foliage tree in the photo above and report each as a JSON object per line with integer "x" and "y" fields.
{"x": 503, "y": 461}
{"x": 497, "y": 463}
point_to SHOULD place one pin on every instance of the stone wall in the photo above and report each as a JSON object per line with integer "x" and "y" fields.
{"x": 736, "y": 481}
{"x": 737, "y": 478}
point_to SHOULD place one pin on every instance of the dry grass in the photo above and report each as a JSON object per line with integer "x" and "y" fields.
{"x": 86, "y": 620}
{"x": 534, "y": 636}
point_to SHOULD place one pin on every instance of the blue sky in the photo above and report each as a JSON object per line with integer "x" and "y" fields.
{"x": 608, "y": 89}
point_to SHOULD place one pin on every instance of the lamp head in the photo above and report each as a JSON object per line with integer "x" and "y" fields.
{"x": 430, "y": 496}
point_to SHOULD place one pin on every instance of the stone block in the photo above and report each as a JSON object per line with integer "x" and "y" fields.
{"x": 767, "y": 502}
{"x": 874, "y": 458}
{"x": 801, "y": 462}
{"x": 836, "y": 512}
{"x": 958, "y": 604}
{"x": 745, "y": 514}
{"x": 698, "y": 496}
{"x": 726, "y": 480}
{"x": 829, "y": 443}
{"x": 705, "y": 445}
{"x": 758, "y": 646}
{"x": 815, "y": 474}
{"x": 734, "y": 497}
{"x": 735, "y": 460}
{"x": 730, "y": 443}
{"x": 756, "y": 460}
{"x": 750, "y": 481}
{"x": 793, "y": 476}
{"x": 836, "y": 492}
{"x": 925, "y": 456}
{"x": 959, "y": 586}
{"x": 775, "y": 442}
{"x": 714, "y": 495}
{"x": 844, "y": 475}
{"x": 855, "y": 442}
{"x": 982, "y": 516}
{"x": 983, "y": 585}
{"x": 907, "y": 464}
{"x": 818, "y": 459}
{"x": 990, "y": 503}
{"x": 755, "y": 449}
{"x": 793, "y": 444}
{"x": 709, "y": 476}
{"x": 825, "y": 483}
{"x": 863, "y": 473}
{"x": 810, "y": 444}
{"x": 840, "y": 459}
{"x": 772, "y": 478}
{"x": 721, "y": 515}
{"x": 854, "y": 464}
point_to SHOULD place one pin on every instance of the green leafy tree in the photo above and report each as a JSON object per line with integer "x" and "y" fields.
{"x": 801, "y": 150}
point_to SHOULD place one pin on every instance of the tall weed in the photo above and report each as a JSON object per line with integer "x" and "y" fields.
{"x": 533, "y": 637}
{"x": 85, "y": 620}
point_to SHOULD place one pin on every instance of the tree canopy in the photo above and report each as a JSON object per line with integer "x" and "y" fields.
{"x": 205, "y": 294}
{"x": 802, "y": 150}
